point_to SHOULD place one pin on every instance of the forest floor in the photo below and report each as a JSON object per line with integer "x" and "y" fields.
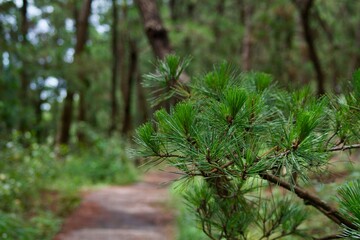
{"x": 135, "y": 212}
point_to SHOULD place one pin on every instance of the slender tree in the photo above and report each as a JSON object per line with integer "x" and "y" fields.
{"x": 247, "y": 39}
{"x": 131, "y": 78}
{"x": 154, "y": 27}
{"x": 220, "y": 11}
{"x": 82, "y": 24}
{"x": 304, "y": 7}
{"x": 173, "y": 4}
{"x": 115, "y": 62}
{"x": 24, "y": 76}
{"x": 142, "y": 103}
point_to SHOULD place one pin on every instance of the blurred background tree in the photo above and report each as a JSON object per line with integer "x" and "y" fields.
{"x": 81, "y": 62}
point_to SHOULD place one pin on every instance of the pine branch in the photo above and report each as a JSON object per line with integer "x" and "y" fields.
{"x": 343, "y": 148}
{"x": 310, "y": 199}
{"x": 329, "y": 237}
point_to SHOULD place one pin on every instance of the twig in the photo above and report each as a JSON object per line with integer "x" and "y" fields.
{"x": 328, "y": 237}
{"x": 343, "y": 148}
{"x": 214, "y": 170}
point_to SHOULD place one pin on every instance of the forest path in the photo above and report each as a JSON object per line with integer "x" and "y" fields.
{"x": 135, "y": 212}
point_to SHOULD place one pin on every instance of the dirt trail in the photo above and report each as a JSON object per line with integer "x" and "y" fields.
{"x": 135, "y": 212}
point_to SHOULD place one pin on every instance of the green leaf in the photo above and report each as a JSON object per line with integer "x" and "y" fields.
{"x": 349, "y": 203}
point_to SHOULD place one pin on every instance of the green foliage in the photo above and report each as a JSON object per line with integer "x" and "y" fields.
{"x": 13, "y": 227}
{"x": 165, "y": 79}
{"x": 349, "y": 200}
{"x": 37, "y": 189}
{"x": 356, "y": 83}
{"x": 23, "y": 171}
{"x": 230, "y": 130}
{"x": 106, "y": 162}
{"x": 348, "y": 113}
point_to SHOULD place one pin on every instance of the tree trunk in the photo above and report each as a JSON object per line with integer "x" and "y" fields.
{"x": 333, "y": 63}
{"x": 304, "y": 8}
{"x": 157, "y": 34}
{"x": 66, "y": 118}
{"x": 173, "y": 10}
{"x": 82, "y": 36}
{"x": 247, "y": 39}
{"x": 142, "y": 104}
{"x": 220, "y": 10}
{"x": 190, "y": 9}
{"x": 130, "y": 80}
{"x": 115, "y": 49}
{"x": 154, "y": 28}
{"x": 82, "y": 24}
{"x": 24, "y": 81}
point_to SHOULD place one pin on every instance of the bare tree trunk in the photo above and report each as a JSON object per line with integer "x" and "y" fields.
{"x": 154, "y": 28}
{"x": 333, "y": 49}
{"x": 24, "y": 96}
{"x": 130, "y": 82}
{"x": 304, "y": 7}
{"x": 247, "y": 40}
{"x": 114, "y": 106}
{"x": 190, "y": 9}
{"x": 157, "y": 34}
{"x": 82, "y": 27}
{"x": 81, "y": 38}
{"x": 220, "y": 10}
{"x": 142, "y": 104}
{"x": 66, "y": 119}
{"x": 173, "y": 10}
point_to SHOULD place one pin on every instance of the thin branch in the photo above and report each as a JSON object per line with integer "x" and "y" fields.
{"x": 328, "y": 237}
{"x": 214, "y": 170}
{"x": 310, "y": 199}
{"x": 343, "y": 148}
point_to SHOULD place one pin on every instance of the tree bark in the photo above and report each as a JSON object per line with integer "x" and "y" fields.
{"x": 82, "y": 36}
{"x": 24, "y": 21}
{"x": 126, "y": 128}
{"x": 142, "y": 104}
{"x": 157, "y": 34}
{"x": 304, "y": 8}
{"x": 24, "y": 81}
{"x": 173, "y": 10}
{"x": 333, "y": 49}
{"x": 154, "y": 28}
{"x": 114, "y": 76}
{"x": 66, "y": 119}
{"x": 190, "y": 9}
{"x": 82, "y": 24}
{"x": 247, "y": 39}
{"x": 220, "y": 10}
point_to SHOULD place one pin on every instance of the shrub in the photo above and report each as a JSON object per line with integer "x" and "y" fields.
{"x": 233, "y": 134}
{"x": 37, "y": 188}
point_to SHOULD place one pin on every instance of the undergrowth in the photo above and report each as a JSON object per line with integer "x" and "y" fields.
{"x": 38, "y": 187}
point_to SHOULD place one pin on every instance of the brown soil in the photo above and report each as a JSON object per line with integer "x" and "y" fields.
{"x": 135, "y": 212}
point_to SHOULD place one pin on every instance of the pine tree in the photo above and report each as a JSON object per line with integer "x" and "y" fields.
{"x": 233, "y": 135}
